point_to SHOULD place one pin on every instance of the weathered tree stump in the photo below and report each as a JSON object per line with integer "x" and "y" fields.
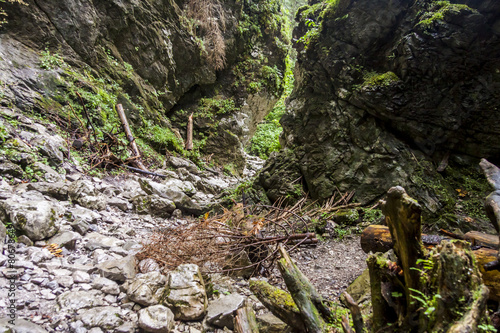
{"x": 402, "y": 215}
{"x": 377, "y": 238}
{"x": 437, "y": 292}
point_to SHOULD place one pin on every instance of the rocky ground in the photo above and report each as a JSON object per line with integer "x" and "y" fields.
{"x": 91, "y": 281}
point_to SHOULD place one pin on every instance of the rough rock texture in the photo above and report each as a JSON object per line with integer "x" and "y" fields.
{"x": 160, "y": 56}
{"x": 156, "y": 319}
{"x": 118, "y": 270}
{"x": 381, "y": 86}
{"x": 221, "y": 312}
{"x": 32, "y": 215}
{"x": 186, "y": 294}
{"x": 147, "y": 289}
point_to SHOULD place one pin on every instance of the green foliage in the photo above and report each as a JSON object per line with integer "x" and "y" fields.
{"x": 210, "y": 107}
{"x": 439, "y": 10}
{"x": 373, "y": 79}
{"x": 486, "y": 328}
{"x": 266, "y": 137}
{"x": 87, "y": 93}
{"x": 161, "y": 137}
{"x": 4, "y": 133}
{"x": 428, "y": 304}
{"x": 372, "y": 216}
{"x": 51, "y": 60}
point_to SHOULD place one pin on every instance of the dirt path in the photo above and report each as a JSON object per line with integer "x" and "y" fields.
{"x": 331, "y": 266}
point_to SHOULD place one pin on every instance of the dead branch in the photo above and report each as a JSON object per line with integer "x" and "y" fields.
{"x": 130, "y": 137}
{"x": 357, "y": 318}
{"x": 189, "y": 138}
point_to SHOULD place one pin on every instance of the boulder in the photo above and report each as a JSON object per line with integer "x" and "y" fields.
{"x": 118, "y": 270}
{"x": 148, "y": 265}
{"x": 9, "y": 168}
{"x": 186, "y": 294}
{"x": 51, "y": 146}
{"x": 177, "y": 162}
{"x": 83, "y": 192}
{"x": 107, "y": 286}
{"x": 82, "y": 214}
{"x": 58, "y": 190}
{"x": 147, "y": 289}
{"x": 221, "y": 312}
{"x": 119, "y": 203}
{"x": 105, "y": 317}
{"x": 153, "y": 205}
{"x": 71, "y": 301}
{"x": 21, "y": 326}
{"x": 156, "y": 319}
{"x": 175, "y": 193}
{"x": 32, "y": 215}
{"x": 45, "y": 172}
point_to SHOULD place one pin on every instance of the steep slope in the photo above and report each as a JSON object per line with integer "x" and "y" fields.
{"x": 150, "y": 56}
{"x": 386, "y": 91}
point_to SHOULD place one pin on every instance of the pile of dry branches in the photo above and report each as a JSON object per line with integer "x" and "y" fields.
{"x": 241, "y": 238}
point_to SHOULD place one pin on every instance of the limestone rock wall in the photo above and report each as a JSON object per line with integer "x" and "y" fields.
{"x": 386, "y": 90}
{"x": 156, "y": 53}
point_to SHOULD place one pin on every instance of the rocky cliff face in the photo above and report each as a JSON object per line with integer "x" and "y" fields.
{"x": 152, "y": 56}
{"x": 386, "y": 91}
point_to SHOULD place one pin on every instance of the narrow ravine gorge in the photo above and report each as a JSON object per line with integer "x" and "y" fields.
{"x": 249, "y": 166}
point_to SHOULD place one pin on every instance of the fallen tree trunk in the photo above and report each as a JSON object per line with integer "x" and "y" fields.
{"x": 305, "y": 296}
{"x": 377, "y": 238}
{"x": 279, "y": 302}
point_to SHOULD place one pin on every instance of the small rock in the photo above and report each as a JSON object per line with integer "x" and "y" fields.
{"x": 118, "y": 270}
{"x": 270, "y": 323}
{"x": 148, "y": 265}
{"x": 81, "y": 277}
{"x": 220, "y": 313}
{"x": 156, "y": 319}
{"x": 66, "y": 239}
{"x": 24, "y": 240}
{"x": 65, "y": 281}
